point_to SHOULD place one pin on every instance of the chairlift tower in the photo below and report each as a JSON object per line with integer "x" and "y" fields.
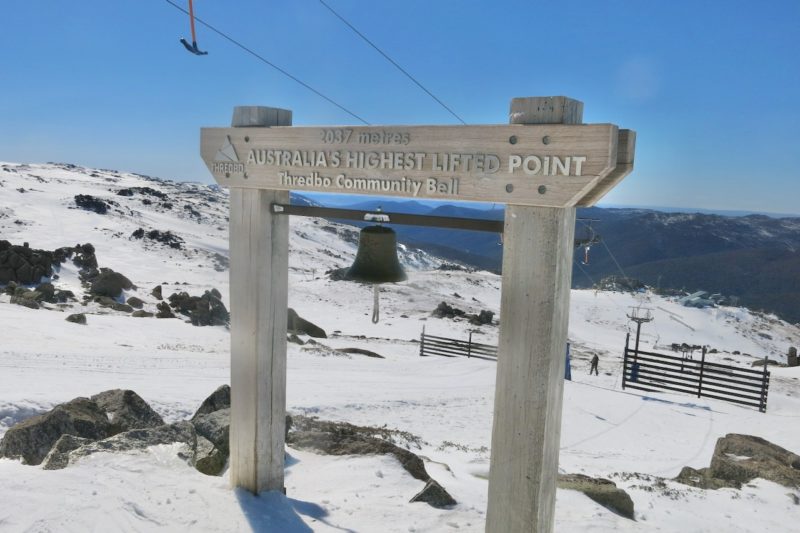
{"x": 640, "y": 315}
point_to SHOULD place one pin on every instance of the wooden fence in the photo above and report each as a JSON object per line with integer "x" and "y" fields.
{"x": 649, "y": 371}
{"x": 446, "y": 347}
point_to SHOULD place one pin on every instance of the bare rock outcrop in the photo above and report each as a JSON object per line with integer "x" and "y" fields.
{"x": 738, "y": 459}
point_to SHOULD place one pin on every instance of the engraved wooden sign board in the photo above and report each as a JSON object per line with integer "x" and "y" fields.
{"x": 548, "y": 165}
{"x": 542, "y": 165}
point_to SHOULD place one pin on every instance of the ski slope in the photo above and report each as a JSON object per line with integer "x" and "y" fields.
{"x": 633, "y": 438}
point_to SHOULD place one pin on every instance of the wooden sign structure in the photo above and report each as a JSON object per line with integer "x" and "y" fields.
{"x": 543, "y": 165}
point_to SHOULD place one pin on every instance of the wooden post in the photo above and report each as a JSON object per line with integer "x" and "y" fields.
{"x": 534, "y": 310}
{"x": 702, "y": 366}
{"x": 259, "y": 251}
{"x": 422, "y": 343}
{"x": 469, "y": 346}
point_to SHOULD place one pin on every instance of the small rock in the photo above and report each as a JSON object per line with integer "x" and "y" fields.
{"x": 77, "y": 318}
{"x": 164, "y": 311}
{"x": 295, "y": 339}
{"x": 205, "y": 310}
{"x": 24, "y": 302}
{"x": 434, "y": 495}
{"x": 135, "y": 302}
{"x": 301, "y": 326}
{"x": 47, "y": 291}
{"x": 156, "y": 292}
{"x": 361, "y": 351}
{"x": 444, "y": 310}
{"x": 760, "y": 362}
{"x": 602, "y": 491}
{"x": 142, "y": 314}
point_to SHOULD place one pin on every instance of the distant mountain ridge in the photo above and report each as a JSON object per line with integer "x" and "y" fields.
{"x": 753, "y": 257}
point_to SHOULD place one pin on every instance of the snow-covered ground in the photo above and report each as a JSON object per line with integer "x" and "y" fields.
{"x": 446, "y": 402}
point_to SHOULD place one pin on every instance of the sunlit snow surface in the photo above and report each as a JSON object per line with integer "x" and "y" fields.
{"x": 448, "y": 403}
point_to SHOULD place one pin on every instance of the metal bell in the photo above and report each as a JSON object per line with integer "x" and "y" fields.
{"x": 376, "y": 259}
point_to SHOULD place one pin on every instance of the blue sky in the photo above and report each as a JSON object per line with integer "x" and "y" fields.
{"x": 711, "y": 87}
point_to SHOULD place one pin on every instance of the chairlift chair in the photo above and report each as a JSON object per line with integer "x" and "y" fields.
{"x": 586, "y": 240}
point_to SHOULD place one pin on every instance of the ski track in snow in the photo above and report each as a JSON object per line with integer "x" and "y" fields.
{"x": 446, "y": 402}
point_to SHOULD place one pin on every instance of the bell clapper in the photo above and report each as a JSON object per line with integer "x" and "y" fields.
{"x": 376, "y": 304}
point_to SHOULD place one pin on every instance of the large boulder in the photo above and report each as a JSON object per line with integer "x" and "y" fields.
{"x": 197, "y": 450}
{"x": 215, "y": 427}
{"x": 127, "y": 410}
{"x": 738, "y": 459}
{"x": 341, "y": 438}
{"x": 139, "y": 439}
{"x": 212, "y": 422}
{"x": 600, "y": 490}
{"x": 33, "y": 438}
{"x": 301, "y": 326}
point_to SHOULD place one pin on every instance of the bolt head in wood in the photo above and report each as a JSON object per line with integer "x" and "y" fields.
{"x": 509, "y": 188}
{"x": 513, "y": 139}
{"x": 542, "y": 189}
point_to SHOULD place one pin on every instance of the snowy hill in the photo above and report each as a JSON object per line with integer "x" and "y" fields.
{"x": 638, "y": 440}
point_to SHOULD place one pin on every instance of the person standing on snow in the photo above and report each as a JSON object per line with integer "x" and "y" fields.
{"x": 595, "y": 360}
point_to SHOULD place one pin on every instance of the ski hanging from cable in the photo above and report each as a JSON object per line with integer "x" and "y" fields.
{"x": 192, "y": 47}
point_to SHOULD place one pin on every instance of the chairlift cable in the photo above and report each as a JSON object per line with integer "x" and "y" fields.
{"x": 267, "y": 62}
{"x": 613, "y": 258}
{"x": 392, "y": 61}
